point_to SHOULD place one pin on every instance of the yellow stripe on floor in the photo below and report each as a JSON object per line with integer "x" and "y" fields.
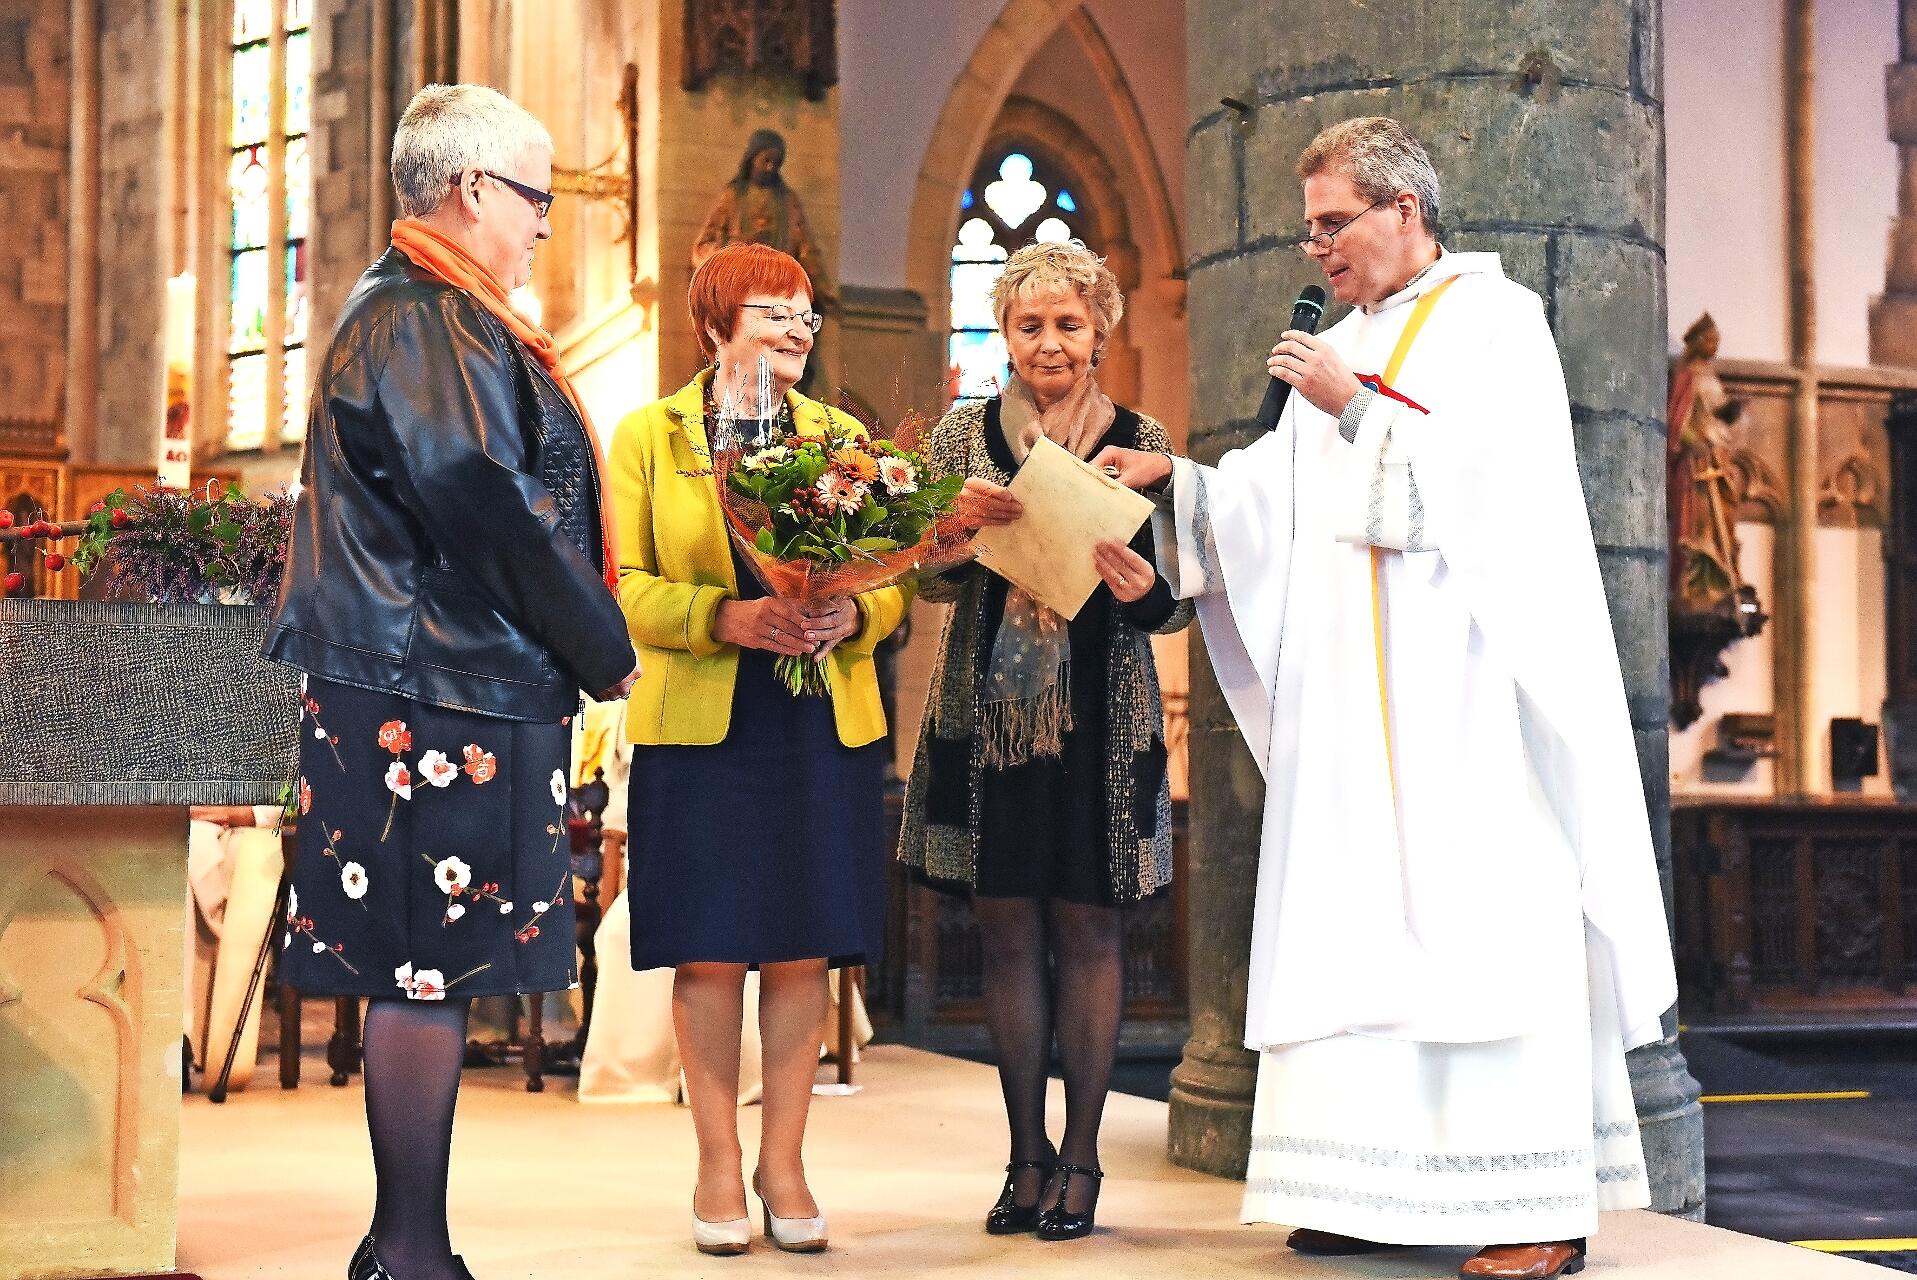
{"x": 1859, "y": 1246}
{"x": 1838, "y": 1095}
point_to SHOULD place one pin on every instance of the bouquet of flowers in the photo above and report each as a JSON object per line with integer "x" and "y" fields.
{"x": 829, "y": 514}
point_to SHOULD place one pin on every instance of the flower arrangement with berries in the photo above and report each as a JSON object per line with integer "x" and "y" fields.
{"x": 171, "y": 546}
{"x": 831, "y": 513}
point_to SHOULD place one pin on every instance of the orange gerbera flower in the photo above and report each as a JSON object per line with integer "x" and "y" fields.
{"x": 857, "y": 463}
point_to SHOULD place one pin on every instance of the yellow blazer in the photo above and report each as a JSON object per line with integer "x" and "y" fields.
{"x": 675, "y": 567}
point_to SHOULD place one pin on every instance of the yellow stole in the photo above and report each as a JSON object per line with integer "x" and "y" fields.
{"x": 1420, "y": 312}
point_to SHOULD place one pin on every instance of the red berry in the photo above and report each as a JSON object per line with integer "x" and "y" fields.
{"x": 55, "y": 562}
{"x": 6, "y": 519}
{"x": 96, "y": 508}
{"x": 120, "y": 518}
{"x": 15, "y": 582}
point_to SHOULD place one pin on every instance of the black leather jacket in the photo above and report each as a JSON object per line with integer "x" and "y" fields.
{"x": 446, "y": 544}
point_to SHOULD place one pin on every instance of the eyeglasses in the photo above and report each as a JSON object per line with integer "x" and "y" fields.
{"x": 541, "y": 201}
{"x": 785, "y": 315}
{"x": 1323, "y": 239}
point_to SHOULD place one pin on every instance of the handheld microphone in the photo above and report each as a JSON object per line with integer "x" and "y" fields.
{"x": 1305, "y": 315}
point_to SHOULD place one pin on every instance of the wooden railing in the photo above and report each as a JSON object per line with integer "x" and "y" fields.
{"x": 928, "y": 989}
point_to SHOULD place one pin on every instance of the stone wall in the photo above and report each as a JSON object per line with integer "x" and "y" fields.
{"x": 136, "y": 245}
{"x": 1547, "y": 132}
{"x": 34, "y": 113}
{"x": 353, "y": 118}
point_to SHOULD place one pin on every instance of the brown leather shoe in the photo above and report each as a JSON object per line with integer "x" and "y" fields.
{"x": 1329, "y": 1244}
{"x": 1525, "y": 1261}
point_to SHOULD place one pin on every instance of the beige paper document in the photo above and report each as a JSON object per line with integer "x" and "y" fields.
{"x": 1069, "y": 506}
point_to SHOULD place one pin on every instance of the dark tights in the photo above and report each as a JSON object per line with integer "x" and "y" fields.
{"x": 1077, "y": 1002}
{"x": 414, "y": 1050}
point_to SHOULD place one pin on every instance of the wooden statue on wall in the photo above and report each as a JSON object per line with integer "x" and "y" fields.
{"x": 1711, "y": 606}
{"x": 759, "y": 207}
{"x": 795, "y": 37}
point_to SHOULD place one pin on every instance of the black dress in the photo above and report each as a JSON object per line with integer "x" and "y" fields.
{"x": 1042, "y": 824}
{"x": 432, "y": 850}
{"x": 766, "y": 847}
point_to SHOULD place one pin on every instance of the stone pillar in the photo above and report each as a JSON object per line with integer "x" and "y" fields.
{"x": 1893, "y": 316}
{"x": 359, "y": 88}
{"x": 134, "y": 253}
{"x": 1548, "y": 134}
{"x": 1893, "y": 341}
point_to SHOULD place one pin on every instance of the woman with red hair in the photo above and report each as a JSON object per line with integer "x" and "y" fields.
{"x": 757, "y": 816}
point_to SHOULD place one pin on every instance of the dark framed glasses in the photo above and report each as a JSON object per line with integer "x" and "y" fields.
{"x": 785, "y": 315}
{"x": 541, "y": 201}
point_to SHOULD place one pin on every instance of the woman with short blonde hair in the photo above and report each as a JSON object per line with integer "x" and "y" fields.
{"x": 1039, "y": 788}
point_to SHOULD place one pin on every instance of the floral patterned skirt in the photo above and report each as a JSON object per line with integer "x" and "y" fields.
{"x": 432, "y": 855}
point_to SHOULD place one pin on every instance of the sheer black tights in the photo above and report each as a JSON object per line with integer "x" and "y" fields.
{"x": 1076, "y": 1000}
{"x": 414, "y": 1050}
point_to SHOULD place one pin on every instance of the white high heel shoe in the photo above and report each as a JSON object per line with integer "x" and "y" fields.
{"x": 721, "y": 1239}
{"x": 793, "y": 1235}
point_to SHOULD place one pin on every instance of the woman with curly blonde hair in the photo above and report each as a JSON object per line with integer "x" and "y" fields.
{"x": 1039, "y": 787}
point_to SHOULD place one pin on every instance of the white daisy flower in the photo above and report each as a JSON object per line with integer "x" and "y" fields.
{"x": 558, "y": 786}
{"x": 898, "y": 476}
{"x": 452, "y": 875}
{"x": 455, "y": 911}
{"x": 436, "y": 769}
{"x": 352, "y": 879}
{"x": 428, "y": 984}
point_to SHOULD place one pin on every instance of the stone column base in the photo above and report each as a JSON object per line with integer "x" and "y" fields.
{"x": 1211, "y": 1094}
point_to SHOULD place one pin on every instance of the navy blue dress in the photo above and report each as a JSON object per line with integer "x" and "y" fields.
{"x": 768, "y": 846}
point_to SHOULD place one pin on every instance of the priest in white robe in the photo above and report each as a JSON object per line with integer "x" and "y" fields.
{"x": 1459, "y": 928}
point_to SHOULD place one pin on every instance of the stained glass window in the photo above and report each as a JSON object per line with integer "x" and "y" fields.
{"x": 1013, "y": 186}
{"x": 270, "y": 195}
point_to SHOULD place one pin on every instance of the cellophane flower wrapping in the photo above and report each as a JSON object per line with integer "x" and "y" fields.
{"x": 831, "y": 514}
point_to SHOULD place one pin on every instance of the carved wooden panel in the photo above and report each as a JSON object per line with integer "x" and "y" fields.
{"x": 790, "y": 37}
{"x": 1795, "y": 907}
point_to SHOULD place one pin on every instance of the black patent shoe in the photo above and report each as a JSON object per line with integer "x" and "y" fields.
{"x": 1008, "y": 1217}
{"x": 1060, "y": 1223}
{"x": 365, "y": 1264}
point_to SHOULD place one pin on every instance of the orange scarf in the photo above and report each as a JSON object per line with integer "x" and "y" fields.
{"x": 443, "y": 259}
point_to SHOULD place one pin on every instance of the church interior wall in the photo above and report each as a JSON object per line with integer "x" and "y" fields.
{"x": 1727, "y": 254}
{"x": 898, "y": 62}
{"x": 1724, "y": 122}
{"x": 35, "y": 57}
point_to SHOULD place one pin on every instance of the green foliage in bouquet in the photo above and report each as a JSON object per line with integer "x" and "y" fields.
{"x": 840, "y": 497}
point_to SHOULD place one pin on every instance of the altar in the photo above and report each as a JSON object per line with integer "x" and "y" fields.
{"x": 114, "y": 718}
